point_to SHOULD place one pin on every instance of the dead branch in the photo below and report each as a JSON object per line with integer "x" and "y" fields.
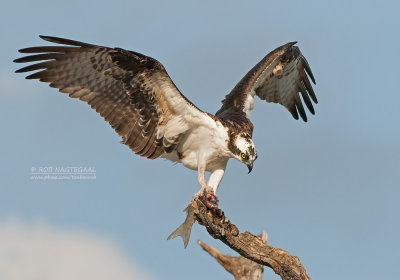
{"x": 247, "y": 244}
{"x": 241, "y": 268}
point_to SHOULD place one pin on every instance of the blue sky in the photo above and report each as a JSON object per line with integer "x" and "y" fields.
{"x": 326, "y": 190}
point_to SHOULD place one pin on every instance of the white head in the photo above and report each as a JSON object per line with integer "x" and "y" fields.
{"x": 242, "y": 148}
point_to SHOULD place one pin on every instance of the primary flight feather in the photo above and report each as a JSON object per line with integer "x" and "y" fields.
{"x": 134, "y": 93}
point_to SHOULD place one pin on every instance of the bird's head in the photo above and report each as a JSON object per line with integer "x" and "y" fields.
{"x": 243, "y": 149}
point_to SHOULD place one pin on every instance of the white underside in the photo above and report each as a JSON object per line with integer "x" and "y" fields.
{"x": 201, "y": 142}
{"x": 204, "y": 149}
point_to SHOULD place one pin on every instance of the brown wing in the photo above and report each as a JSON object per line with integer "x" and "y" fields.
{"x": 129, "y": 90}
{"x": 279, "y": 77}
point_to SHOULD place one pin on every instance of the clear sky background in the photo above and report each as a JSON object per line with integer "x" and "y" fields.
{"x": 326, "y": 191}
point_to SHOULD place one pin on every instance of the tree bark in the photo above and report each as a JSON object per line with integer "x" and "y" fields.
{"x": 240, "y": 267}
{"x": 246, "y": 244}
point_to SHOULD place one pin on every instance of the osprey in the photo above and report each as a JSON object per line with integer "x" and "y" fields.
{"x": 134, "y": 93}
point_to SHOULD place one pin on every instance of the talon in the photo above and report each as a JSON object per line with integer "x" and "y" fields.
{"x": 210, "y": 200}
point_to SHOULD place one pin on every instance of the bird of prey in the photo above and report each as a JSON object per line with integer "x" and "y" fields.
{"x": 136, "y": 96}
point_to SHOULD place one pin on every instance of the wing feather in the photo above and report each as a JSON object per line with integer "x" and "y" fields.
{"x": 129, "y": 90}
{"x": 279, "y": 78}
{"x": 306, "y": 97}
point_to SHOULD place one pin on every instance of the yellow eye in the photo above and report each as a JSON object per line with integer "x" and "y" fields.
{"x": 243, "y": 156}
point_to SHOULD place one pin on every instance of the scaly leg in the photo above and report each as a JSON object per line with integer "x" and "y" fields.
{"x": 216, "y": 177}
{"x": 202, "y": 182}
{"x": 206, "y": 193}
{"x": 213, "y": 183}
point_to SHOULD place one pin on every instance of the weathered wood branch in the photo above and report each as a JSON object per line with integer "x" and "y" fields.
{"x": 247, "y": 244}
{"x": 240, "y": 267}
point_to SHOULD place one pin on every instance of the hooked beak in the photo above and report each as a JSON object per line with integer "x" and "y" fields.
{"x": 250, "y": 167}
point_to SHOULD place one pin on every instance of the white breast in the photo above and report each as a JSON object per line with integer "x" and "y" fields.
{"x": 202, "y": 141}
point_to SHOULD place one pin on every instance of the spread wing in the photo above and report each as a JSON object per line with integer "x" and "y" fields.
{"x": 129, "y": 90}
{"x": 279, "y": 77}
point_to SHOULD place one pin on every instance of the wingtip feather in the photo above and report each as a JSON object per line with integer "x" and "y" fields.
{"x": 64, "y": 41}
{"x": 24, "y": 50}
{"x": 36, "y": 75}
{"x": 294, "y": 113}
{"x": 52, "y": 39}
{"x": 308, "y": 69}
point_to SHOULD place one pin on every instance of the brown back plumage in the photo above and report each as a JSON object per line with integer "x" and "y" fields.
{"x": 279, "y": 77}
{"x": 120, "y": 85}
